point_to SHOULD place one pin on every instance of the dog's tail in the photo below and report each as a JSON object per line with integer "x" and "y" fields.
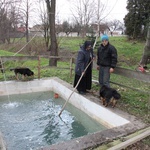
{"x": 116, "y": 95}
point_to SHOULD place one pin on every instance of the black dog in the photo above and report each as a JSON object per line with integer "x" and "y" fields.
{"x": 23, "y": 71}
{"x": 109, "y": 96}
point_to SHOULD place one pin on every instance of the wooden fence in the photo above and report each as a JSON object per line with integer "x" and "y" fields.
{"x": 3, "y": 59}
{"x": 144, "y": 77}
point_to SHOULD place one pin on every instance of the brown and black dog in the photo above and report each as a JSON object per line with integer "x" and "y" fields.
{"x": 23, "y": 71}
{"x": 109, "y": 96}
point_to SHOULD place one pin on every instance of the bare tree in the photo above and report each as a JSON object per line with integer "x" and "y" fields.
{"x": 99, "y": 10}
{"x": 26, "y": 7}
{"x": 86, "y": 12}
{"x": 3, "y": 25}
{"x": 83, "y": 13}
{"x": 113, "y": 25}
{"x": 101, "y": 13}
{"x": 8, "y": 19}
{"x": 45, "y": 23}
{"x": 51, "y": 5}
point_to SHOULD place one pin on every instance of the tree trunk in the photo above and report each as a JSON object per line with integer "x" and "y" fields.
{"x": 27, "y": 22}
{"x": 146, "y": 52}
{"x": 53, "y": 47}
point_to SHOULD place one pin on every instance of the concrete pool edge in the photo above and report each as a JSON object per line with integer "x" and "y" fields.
{"x": 88, "y": 141}
{"x": 84, "y": 103}
{"x": 97, "y": 138}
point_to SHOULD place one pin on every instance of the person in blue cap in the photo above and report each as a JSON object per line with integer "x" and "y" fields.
{"x": 106, "y": 60}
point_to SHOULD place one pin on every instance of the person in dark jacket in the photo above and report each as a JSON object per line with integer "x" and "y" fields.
{"x": 106, "y": 60}
{"x": 85, "y": 55}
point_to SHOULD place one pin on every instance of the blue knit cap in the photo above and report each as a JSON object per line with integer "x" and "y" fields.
{"x": 104, "y": 37}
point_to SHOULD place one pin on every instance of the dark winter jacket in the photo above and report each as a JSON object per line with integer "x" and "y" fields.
{"x": 107, "y": 56}
{"x": 83, "y": 59}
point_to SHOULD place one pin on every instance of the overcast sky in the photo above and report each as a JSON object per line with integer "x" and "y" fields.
{"x": 115, "y": 8}
{"x": 118, "y": 8}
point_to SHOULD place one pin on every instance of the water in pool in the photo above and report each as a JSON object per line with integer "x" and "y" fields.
{"x": 31, "y": 121}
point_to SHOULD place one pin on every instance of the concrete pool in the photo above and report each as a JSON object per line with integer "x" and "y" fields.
{"x": 117, "y": 122}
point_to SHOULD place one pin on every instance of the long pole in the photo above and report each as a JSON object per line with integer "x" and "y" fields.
{"x": 74, "y": 88}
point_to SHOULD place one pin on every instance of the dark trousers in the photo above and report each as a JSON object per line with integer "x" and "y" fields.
{"x": 104, "y": 76}
{"x": 86, "y": 81}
